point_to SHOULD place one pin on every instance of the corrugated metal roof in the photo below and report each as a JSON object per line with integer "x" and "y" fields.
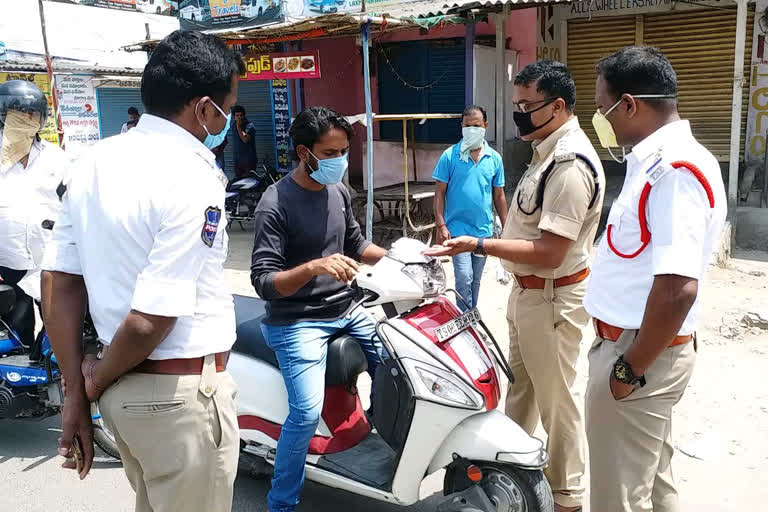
{"x": 430, "y": 8}
{"x": 37, "y": 67}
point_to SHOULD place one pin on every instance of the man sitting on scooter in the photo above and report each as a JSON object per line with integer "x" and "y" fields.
{"x": 307, "y": 248}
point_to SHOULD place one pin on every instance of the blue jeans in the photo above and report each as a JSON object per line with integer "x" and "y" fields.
{"x": 468, "y": 270}
{"x": 301, "y": 350}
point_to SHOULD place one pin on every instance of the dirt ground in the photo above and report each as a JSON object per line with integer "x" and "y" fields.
{"x": 720, "y": 427}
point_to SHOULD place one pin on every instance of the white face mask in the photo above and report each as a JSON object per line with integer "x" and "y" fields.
{"x": 18, "y": 135}
{"x": 473, "y": 138}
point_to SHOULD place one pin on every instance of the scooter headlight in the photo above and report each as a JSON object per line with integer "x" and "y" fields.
{"x": 430, "y": 276}
{"x": 443, "y": 388}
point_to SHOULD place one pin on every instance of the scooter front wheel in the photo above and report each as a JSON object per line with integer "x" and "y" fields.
{"x": 102, "y": 436}
{"x": 511, "y": 489}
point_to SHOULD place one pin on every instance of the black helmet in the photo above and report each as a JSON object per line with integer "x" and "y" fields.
{"x": 23, "y": 96}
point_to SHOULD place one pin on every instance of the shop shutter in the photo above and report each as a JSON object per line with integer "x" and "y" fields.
{"x": 588, "y": 42}
{"x": 113, "y": 104}
{"x": 439, "y": 62}
{"x": 701, "y": 45}
{"x": 255, "y": 97}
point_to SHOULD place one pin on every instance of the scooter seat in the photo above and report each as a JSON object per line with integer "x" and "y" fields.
{"x": 249, "y": 313}
{"x": 344, "y": 362}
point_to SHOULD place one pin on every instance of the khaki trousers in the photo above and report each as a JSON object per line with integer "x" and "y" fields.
{"x": 630, "y": 440}
{"x": 544, "y": 343}
{"x": 178, "y": 438}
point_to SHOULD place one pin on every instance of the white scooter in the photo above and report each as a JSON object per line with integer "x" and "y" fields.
{"x": 435, "y": 405}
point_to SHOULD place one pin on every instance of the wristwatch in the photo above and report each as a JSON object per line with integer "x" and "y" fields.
{"x": 622, "y": 372}
{"x": 479, "y": 250}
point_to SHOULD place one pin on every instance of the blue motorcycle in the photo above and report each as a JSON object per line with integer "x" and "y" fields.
{"x": 30, "y": 379}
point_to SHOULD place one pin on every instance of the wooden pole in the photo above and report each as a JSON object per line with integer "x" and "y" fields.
{"x": 51, "y": 80}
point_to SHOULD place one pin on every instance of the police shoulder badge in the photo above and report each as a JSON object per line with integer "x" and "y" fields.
{"x": 212, "y": 218}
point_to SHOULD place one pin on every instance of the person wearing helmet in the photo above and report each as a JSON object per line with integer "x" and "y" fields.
{"x": 31, "y": 169}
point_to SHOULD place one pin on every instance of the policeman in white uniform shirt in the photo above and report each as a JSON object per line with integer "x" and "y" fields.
{"x": 31, "y": 170}
{"x": 661, "y": 233}
{"x": 142, "y": 231}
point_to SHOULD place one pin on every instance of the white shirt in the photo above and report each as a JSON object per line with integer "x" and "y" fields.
{"x": 27, "y": 198}
{"x": 134, "y": 223}
{"x": 684, "y": 228}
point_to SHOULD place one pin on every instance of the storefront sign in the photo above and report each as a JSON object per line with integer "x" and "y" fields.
{"x": 757, "y": 115}
{"x": 41, "y": 80}
{"x": 547, "y": 34}
{"x": 206, "y": 14}
{"x": 79, "y": 111}
{"x": 271, "y": 66}
{"x": 167, "y": 7}
{"x": 281, "y": 112}
{"x": 592, "y": 8}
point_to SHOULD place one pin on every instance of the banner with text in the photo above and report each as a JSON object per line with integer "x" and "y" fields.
{"x": 757, "y": 115}
{"x": 79, "y": 111}
{"x": 208, "y": 14}
{"x": 281, "y": 111}
{"x": 167, "y": 7}
{"x": 292, "y": 65}
{"x": 41, "y": 80}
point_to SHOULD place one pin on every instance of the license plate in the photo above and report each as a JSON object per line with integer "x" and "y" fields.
{"x": 457, "y": 325}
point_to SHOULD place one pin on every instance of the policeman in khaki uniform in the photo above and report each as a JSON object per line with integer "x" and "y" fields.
{"x": 546, "y": 244}
{"x": 643, "y": 294}
{"x": 151, "y": 261}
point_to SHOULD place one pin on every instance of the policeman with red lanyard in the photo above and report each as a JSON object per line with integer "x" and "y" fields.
{"x": 661, "y": 233}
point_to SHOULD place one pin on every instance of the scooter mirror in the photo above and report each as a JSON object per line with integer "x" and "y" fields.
{"x": 7, "y": 299}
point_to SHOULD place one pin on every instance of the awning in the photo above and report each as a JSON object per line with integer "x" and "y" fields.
{"x": 420, "y": 13}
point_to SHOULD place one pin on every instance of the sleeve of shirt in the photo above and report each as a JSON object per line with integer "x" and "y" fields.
{"x": 678, "y": 211}
{"x": 189, "y": 226}
{"x": 567, "y": 195}
{"x": 61, "y": 254}
{"x": 443, "y": 169}
{"x": 268, "y": 257}
{"x": 498, "y": 177}
{"x": 251, "y": 130}
{"x": 354, "y": 242}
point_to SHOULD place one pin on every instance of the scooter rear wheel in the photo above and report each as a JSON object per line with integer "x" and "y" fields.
{"x": 512, "y": 489}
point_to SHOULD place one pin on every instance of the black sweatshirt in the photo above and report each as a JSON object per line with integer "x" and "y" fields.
{"x": 293, "y": 226}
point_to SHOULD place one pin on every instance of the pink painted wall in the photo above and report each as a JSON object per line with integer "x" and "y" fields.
{"x": 341, "y": 88}
{"x": 521, "y": 33}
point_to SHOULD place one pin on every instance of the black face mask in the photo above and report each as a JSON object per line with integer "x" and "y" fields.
{"x": 524, "y": 122}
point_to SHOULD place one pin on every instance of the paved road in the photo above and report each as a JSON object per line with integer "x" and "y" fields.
{"x": 32, "y": 481}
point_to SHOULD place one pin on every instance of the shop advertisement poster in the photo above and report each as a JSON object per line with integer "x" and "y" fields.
{"x": 309, "y": 8}
{"x": 273, "y": 66}
{"x": 207, "y": 14}
{"x": 281, "y": 112}
{"x": 167, "y": 7}
{"x": 79, "y": 111}
{"x": 41, "y": 80}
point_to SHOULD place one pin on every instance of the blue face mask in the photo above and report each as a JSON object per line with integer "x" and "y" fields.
{"x": 212, "y": 141}
{"x": 330, "y": 170}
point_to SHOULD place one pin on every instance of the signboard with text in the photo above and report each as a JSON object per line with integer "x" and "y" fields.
{"x": 79, "y": 111}
{"x": 207, "y": 14}
{"x": 757, "y": 114}
{"x": 593, "y": 8}
{"x": 281, "y": 112}
{"x": 41, "y": 80}
{"x": 291, "y": 65}
{"x": 167, "y": 7}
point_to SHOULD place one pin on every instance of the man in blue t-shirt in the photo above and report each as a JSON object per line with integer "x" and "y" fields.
{"x": 244, "y": 143}
{"x": 469, "y": 177}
